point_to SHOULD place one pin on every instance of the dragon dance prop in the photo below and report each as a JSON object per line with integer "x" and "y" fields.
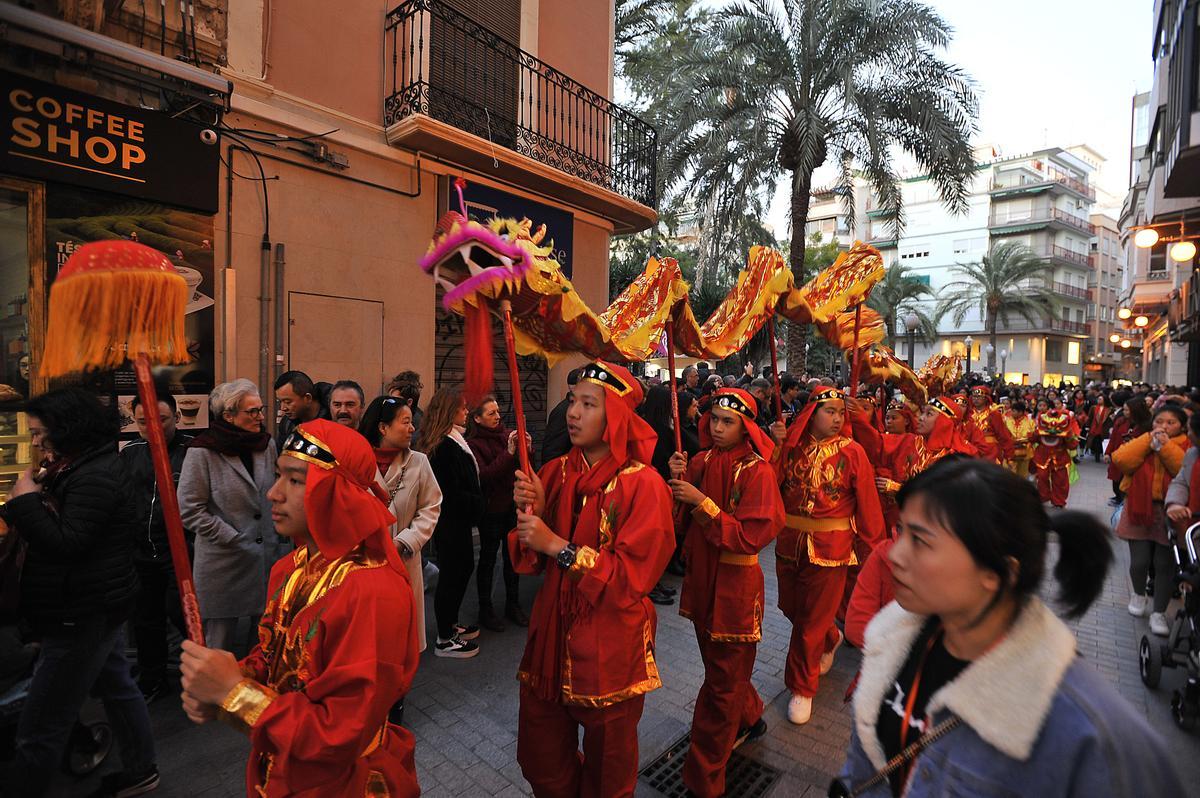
{"x": 481, "y": 266}
{"x": 114, "y": 301}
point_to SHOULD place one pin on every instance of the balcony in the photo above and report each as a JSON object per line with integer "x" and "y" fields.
{"x": 1005, "y": 221}
{"x": 460, "y": 92}
{"x": 1024, "y": 182}
{"x": 1062, "y": 289}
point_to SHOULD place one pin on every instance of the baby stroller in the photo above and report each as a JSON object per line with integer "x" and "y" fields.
{"x": 1182, "y": 647}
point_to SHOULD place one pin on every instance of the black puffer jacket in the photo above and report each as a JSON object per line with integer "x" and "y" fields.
{"x": 151, "y": 539}
{"x": 80, "y": 535}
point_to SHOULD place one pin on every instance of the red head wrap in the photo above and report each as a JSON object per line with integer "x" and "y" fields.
{"x": 342, "y": 502}
{"x": 627, "y": 434}
{"x": 982, "y": 390}
{"x": 742, "y": 403}
{"x": 907, "y": 413}
{"x": 947, "y": 430}
{"x": 799, "y": 427}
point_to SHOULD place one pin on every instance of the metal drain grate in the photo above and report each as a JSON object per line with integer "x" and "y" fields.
{"x": 744, "y": 778}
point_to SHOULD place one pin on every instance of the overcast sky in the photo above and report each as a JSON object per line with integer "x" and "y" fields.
{"x": 1050, "y": 73}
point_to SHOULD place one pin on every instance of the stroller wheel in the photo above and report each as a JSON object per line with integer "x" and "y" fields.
{"x": 87, "y": 747}
{"x": 1150, "y": 662}
{"x": 1185, "y": 716}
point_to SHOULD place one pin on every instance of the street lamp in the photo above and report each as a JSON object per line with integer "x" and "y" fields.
{"x": 1004, "y": 362}
{"x": 968, "y": 342}
{"x": 991, "y": 352}
{"x": 910, "y": 326}
{"x": 1142, "y": 321}
{"x": 1124, "y": 313}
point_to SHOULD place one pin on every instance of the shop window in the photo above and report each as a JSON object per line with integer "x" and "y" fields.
{"x": 22, "y": 286}
{"x": 1073, "y": 353}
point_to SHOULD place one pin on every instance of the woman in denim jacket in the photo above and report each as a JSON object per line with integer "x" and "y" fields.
{"x": 969, "y": 668}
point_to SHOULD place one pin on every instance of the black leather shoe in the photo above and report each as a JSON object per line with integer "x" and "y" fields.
{"x": 661, "y": 598}
{"x": 489, "y": 620}
{"x": 514, "y": 613}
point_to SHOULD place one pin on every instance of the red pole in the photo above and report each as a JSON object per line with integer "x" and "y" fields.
{"x": 514, "y": 382}
{"x": 170, "y": 504}
{"x": 775, "y": 369}
{"x": 857, "y": 351}
{"x": 671, "y": 374}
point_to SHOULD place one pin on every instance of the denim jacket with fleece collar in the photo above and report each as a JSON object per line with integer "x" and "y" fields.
{"x": 1036, "y": 720}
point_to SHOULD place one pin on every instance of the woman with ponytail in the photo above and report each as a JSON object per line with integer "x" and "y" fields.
{"x": 1149, "y": 463}
{"x": 970, "y": 685}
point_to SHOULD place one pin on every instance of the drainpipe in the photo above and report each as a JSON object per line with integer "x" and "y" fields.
{"x": 279, "y": 341}
{"x": 264, "y": 324}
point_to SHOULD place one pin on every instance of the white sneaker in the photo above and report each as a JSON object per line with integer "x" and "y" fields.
{"x": 800, "y": 709}
{"x": 456, "y": 648}
{"x": 1159, "y": 625}
{"x": 1139, "y": 606}
{"x": 827, "y": 657}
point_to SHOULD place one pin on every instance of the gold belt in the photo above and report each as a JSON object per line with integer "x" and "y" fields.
{"x": 730, "y": 558}
{"x": 806, "y": 524}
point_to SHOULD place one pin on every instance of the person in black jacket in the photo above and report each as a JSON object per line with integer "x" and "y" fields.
{"x": 78, "y": 585}
{"x": 158, "y": 595}
{"x": 555, "y": 440}
{"x": 656, "y": 409}
{"x": 457, "y": 475}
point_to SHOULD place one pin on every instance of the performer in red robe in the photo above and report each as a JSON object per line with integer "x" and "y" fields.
{"x": 830, "y": 497}
{"x": 337, "y": 642}
{"x": 1051, "y": 461}
{"x": 991, "y": 437}
{"x": 730, "y": 508}
{"x": 601, "y": 531}
{"x": 939, "y": 432}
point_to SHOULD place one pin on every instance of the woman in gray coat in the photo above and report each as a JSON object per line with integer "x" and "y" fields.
{"x": 223, "y": 499}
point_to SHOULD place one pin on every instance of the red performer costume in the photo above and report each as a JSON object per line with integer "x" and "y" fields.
{"x": 730, "y": 508}
{"x": 589, "y": 657}
{"x": 939, "y": 433}
{"x": 830, "y": 496}
{"x": 989, "y": 432}
{"x": 337, "y": 642}
{"x": 1051, "y": 456}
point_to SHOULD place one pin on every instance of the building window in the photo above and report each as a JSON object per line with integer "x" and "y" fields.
{"x": 915, "y": 254}
{"x": 923, "y": 279}
{"x": 1054, "y": 351}
{"x": 1072, "y": 353}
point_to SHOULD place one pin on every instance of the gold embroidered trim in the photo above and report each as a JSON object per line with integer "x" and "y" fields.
{"x": 247, "y": 701}
{"x": 585, "y": 561}
{"x": 706, "y": 510}
{"x": 732, "y": 558}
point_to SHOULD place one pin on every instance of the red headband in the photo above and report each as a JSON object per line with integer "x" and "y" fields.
{"x": 627, "y": 434}
{"x": 741, "y": 402}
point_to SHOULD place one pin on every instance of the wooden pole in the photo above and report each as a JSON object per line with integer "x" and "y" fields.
{"x": 671, "y": 375}
{"x": 775, "y": 370}
{"x": 165, "y": 483}
{"x": 857, "y": 352}
{"x": 514, "y": 381}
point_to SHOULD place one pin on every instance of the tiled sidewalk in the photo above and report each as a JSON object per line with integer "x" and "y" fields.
{"x": 464, "y": 712}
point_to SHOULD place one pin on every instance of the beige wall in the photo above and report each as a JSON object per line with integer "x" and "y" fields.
{"x": 565, "y": 27}
{"x": 342, "y": 239}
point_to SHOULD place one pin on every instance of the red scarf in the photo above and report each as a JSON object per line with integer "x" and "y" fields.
{"x": 577, "y": 506}
{"x": 384, "y": 458}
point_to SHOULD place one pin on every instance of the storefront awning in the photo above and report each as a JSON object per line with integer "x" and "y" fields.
{"x": 24, "y": 28}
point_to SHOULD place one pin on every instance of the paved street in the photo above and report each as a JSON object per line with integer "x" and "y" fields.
{"x": 464, "y": 712}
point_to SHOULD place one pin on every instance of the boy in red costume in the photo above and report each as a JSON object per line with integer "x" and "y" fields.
{"x": 989, "y": 432}
{"x": 597, "y": 522}
{"x": 1052, "y": 456}
{"x": 733, "y": 510}
{"x": 337, "y": 642}
{"x": 830, "y": 497}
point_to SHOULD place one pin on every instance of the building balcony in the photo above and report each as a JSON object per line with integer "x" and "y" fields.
{"x": 458, "y": 91}
{"x": 1018, "y": 324}
{"x": 1024, "y": 182}
{"x": 1062, "y": 289}
{"x": 1004, "y": 221}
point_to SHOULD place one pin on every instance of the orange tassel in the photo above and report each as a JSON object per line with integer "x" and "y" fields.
{"x": 110, "y": 303}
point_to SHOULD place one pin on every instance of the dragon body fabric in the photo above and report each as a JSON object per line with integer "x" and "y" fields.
{"x": 481, "y": 267}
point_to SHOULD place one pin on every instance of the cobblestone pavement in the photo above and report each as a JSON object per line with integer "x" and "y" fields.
{"x": 464, "y": 712}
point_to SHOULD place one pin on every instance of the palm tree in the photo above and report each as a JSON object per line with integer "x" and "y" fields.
{"x": 766, "y": 89}
{"x": 898, "y": 294}
{"x": 1011, "y": 280}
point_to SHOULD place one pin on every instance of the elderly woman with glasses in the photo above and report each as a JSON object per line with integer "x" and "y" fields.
{"x": 223, "y": 500}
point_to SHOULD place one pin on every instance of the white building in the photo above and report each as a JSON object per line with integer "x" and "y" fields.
{"x": 1042, "y": 199}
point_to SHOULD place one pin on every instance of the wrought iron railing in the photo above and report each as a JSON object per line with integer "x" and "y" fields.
{"x": 1007, "y": 216}
{"x": 444, "y": 65}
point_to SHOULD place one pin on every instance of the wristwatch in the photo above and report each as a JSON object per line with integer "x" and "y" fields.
{"x": 566, "y": 557}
